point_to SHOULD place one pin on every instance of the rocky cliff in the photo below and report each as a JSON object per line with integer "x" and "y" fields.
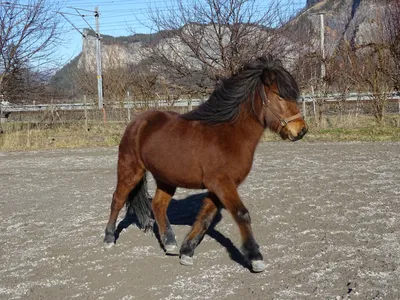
{"x": 356, "y": 21}
{"x": 353, "y": 20}
{"x": 116, "y": 52}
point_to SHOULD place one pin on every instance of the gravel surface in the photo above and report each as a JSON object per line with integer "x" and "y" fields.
{"x": 326, "y": 215}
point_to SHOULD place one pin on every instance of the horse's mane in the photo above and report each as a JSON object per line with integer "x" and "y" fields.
{"x": 224, "y": 102}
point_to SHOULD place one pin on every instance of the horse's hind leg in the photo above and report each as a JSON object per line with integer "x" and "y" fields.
{"x": 203, "y": 221}
{"x": 128, "y": 177}
{"x": 160, "y": 204}
{"x": 226, "y": 192}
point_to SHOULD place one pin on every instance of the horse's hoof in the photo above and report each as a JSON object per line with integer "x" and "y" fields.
{"x": 108, "y": 245}
{"x": 171, "y": 249}
{"x": 258, "y": 266}
{"x": 109, "y": 239}
{"x": 186, "y": 260}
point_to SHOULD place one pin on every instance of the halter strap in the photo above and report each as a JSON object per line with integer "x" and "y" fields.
{"x": 282, "y": 122}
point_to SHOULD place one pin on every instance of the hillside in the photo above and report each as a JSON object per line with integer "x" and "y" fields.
{"x": 352, "y": 20}
{"x": 123, "y": 45}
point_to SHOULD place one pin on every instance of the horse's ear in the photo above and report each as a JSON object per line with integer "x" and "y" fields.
{"x": 268, "y": 77}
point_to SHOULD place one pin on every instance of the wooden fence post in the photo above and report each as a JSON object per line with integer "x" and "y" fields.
{"x": 104, "y": 115}
{"x": 86, "y": 117}
{"x": 189, "y": 104}
{"x": 128, "y": 106}
{"x": 28, "y": 140}
{"x": 399, "y": 103}
{"x": 313, "y": 101}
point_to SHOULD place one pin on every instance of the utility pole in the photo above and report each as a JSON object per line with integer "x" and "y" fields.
{"x": 322, "y": 46}
{"x": 98, "y": 48}
{"x": 98, "y": 59}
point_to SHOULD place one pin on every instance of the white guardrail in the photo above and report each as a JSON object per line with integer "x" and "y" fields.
{"x": 9, "y": 107}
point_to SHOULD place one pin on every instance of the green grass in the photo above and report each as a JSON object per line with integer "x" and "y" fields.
{"x": 21, "y": 136}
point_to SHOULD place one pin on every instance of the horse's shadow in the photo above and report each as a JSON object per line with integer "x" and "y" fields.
{"x": 184, "y": 212}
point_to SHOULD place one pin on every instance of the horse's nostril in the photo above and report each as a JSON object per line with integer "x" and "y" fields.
{"x": 303, "y": 132}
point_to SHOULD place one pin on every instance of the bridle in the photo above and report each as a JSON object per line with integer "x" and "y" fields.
{"x": 282, "y": 122}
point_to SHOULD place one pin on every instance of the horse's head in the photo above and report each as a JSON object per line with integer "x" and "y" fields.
{"x": 279, "y": 93}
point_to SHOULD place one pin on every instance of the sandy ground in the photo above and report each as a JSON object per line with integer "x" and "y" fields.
{"x": 327, "y": 217}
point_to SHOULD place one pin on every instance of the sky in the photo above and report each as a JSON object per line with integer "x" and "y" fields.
{"x": 117, "y": 18}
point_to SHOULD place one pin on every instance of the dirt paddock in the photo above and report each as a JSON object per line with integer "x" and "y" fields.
{"x": 326, "y": 215}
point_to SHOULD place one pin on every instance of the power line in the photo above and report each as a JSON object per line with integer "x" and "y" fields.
{"x": 119, "y": 3}
{"x": 76, "y": 28}
{"x": 83, "y": 17}
{"x": 77, "y": 9}
{"x": 96, "y": 14}
{"x": 17, "y": 4}
{"x": 67, "y": 13}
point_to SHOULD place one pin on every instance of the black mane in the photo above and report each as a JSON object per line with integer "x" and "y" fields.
{"x": 224, "y": 103}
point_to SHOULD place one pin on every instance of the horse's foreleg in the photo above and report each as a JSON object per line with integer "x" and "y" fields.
{"x": 160, "y": 204}
{"x": 127, "y": 180}
{"x": 227, "y": 193}
{"x": 203, "y": 221}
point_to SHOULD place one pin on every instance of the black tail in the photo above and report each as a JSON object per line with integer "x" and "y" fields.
{"x": 139, "y": 204}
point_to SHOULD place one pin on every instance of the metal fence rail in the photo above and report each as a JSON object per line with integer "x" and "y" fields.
{"x": 8, "y": 107}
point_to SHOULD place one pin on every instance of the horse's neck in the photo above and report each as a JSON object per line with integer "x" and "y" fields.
{"x": 251, "y": 128}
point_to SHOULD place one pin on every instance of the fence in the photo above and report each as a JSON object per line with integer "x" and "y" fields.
{"x": 46, "y": 115}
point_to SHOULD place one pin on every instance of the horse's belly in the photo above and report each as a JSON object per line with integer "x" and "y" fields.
{"x": 176, "y": 174}
{"x": 174, "y": 166}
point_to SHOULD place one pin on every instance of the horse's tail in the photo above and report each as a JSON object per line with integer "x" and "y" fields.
{"x": 139, "y": 203}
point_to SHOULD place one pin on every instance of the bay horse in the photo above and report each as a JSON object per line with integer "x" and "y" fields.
{"x": 211, "y": 147}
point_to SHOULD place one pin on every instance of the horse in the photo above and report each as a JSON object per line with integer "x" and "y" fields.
{"x": 211, "y": 147}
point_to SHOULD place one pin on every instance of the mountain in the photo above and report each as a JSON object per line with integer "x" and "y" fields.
{"x": 351, "y": 20}
{"x": 115, "y": 50}
{"x": 356, "y": 21}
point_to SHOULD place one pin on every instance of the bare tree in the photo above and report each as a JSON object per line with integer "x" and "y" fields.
{"x": 29, "y": 32}
{"x": 392, "y": 29}
{"x": 367, "y": 68}
{"x": 119, "y": 78}
{"x": 371, "y": 65}
{"x": 203, "y": 40}
{"x": 363, "y": 55}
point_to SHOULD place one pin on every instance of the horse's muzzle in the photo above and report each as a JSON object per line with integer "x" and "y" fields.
{"x": 300, "y": 134}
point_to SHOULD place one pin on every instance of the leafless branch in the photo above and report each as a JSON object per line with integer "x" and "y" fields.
{"x": 29, "y": 35}
{"x": 204, "y": 40}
